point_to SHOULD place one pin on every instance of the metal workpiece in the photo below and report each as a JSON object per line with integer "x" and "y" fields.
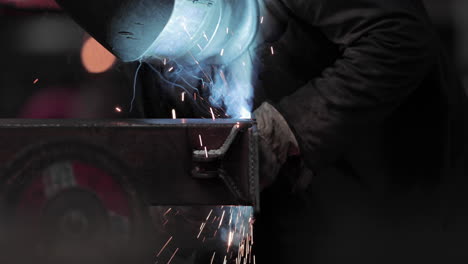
{"x": 155, "y": 158}
{"x": 116, "y": 191}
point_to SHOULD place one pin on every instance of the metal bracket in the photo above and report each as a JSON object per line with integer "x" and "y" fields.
{"x": 216, "y": 154}
{"x": 208, "y": 164}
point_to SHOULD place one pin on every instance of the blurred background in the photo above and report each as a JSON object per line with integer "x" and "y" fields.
{"x": 50, "y": 68}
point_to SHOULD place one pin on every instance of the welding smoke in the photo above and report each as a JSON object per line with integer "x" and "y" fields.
{"x": 213, "y": 34}
{"x": 209, "y": 233}
{"x": 237, "y": 226}
{"x": 208, "y": 31}
{"x": 233, "y": 88}
{"x": 228, "y": 87}
{"x": 186, "y": 32}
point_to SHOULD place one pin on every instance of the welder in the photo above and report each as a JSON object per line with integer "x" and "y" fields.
{"x": 359, "y": 115}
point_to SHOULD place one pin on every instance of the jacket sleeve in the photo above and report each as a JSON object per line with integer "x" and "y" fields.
{"x": 388, "y": 48}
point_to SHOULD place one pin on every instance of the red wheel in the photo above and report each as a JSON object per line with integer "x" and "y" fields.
{"x": 71, "y": 201}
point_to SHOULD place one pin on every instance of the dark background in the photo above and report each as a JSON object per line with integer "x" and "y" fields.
{"x": 42, "y": 73}
{"x": 42, "y": 68}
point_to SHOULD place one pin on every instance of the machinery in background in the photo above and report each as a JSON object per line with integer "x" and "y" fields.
{"x": 115, "y": 191}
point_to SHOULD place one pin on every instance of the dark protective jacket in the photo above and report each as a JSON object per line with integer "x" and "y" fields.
{"x": 377, "y": 111}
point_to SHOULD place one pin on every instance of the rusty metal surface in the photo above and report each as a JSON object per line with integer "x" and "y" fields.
{"x": 155, "y": 155}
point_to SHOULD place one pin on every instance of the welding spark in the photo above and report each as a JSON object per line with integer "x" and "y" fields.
{"x": 272, "y": 50}
{"x": 261, "y": 20}
{"x": 186, "y": 31}
{"x": 168, "y": 210}
{"x": 201, "y": 229}
{"x": 208, "y": 217}
{"x": 205, "y": 36}
{"x": 206, "y": 152}
{"x": 165, "y": 245}
{"x": 223, "y": 77}
{"x": 197, "y": 62}
{"x": 225, "y": 260}
{"x": 222, "y": 52}
{"x": 212, "y": 113}
{"x": 221, "y": 221}
{"x": 227, "y": 30}
{"x": 189, "y": 84}
{"x": 173, "y": 255}
{"x": 118, "y": 109}
{"x": 183, "y": 96}
{"x": 231, "y": 236}
{"x": 232, "y": 88}
{"x": 201, "y": 144}
{"x": 165, "y": 61}
{"x": 174, "y": 114}
{"x": 212, "y": 258}
{"x": 201, "y": 69}
{"x": 36, "y": 81}
{"x": 168, "y": 82}
{"x": 170, "y": 69}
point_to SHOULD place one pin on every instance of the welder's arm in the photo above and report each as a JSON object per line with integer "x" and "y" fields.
{"x": 387, "y": 50}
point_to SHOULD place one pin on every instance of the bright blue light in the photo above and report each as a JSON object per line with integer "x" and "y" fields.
{"x": 233, "y": 87}
{"x": 217, "y": 32}
{"x": 182, "y": 31}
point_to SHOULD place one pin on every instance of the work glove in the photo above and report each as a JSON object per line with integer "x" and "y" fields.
{"x": 277, "y": 143}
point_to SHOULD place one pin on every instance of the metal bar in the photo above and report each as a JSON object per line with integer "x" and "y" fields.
{"x": 155, "y": 156}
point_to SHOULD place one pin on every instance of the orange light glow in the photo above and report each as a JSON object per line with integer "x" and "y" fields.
{"x": 95, "y": 58}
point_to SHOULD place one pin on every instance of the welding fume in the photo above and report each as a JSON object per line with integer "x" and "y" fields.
{"x": 190, "y": 38}
{"x": 347, "y": 96}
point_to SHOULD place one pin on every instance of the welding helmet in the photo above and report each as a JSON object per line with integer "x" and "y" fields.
{"x": 188, "y": 31}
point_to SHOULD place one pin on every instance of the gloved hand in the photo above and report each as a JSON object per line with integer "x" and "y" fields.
{"x": 276, "y": 143}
